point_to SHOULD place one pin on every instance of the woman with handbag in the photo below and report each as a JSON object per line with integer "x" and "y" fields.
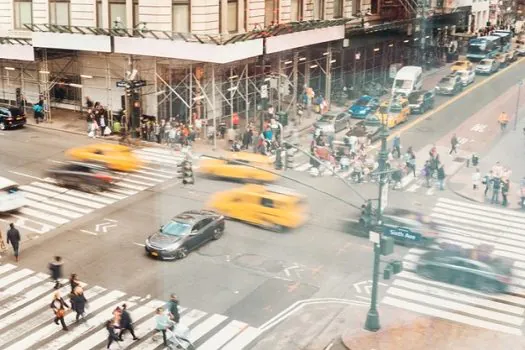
{"x": 59, "y": 306}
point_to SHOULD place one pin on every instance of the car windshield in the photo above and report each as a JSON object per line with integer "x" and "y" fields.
{"x": 446, "y": 81}
{"x": 414, "y": 98}
{"x": 327, "y": 118}
{"x": 484, "y": 63}
{"x": 176, "y": 228}
{"x": 362, "y": 101}
{"x": 372, "y": 120}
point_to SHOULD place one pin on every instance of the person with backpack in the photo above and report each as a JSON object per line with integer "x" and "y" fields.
{"x": 38, "y": 110}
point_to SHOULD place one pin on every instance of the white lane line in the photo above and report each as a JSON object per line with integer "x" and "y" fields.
{"x": 15, "y": 276}
{"x": 203, "y": 328}
{"x": 168, "y": 158}
{"x": 43, "y": 216}
{"x": 80, "y": 194}
{"x": 6, "y": 268}
{"x": 155, "y": 160}
{"x": 24, "y": 284}
{"x": 448, "y": 315}
{"x": 430, "y": 191}
{"x": 484, "y": 217}
{"x": 31, "y": 225}
{"x": 155, "y": 171}
{"x": 152, "y": 174}
{"x": 33, "y": 293}
{"x": 243, "y": 339}
{"x": 506, "y": 213}
{"x": 52, "y": 209}
{"x": 477, "y": 222}
{"x": 89, "y": 232}
{"x": 58, "y": 204}
{"x": 62, "y": 197}
{"x": 406, "y": 180}
{"x": 25, "y": 175}
{"x": 131, "y": 187}
{"x": 138, "y": 314}
{"x": 303, "y": 167}
{"x": 34, "y": 337}
{"x": 162, "y": 151}
{"x": 124, "y": 192}
{"x": 413, "y": 188}
{"x": 77, "y": 332}
{"x": 146, "y": 178}
{"x": 135, "y": 182}
{"x": 224, "y": 335}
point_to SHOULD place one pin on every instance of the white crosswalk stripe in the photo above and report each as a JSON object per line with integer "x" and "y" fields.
{"x": 50, "y": 206}
{"x": 26, "y": 321}
{"x": 468, "y": 225}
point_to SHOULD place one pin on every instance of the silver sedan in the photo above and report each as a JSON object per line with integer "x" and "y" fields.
{"x": 333, "y": 122}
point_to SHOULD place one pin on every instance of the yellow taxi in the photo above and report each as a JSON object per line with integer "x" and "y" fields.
{"x": 272, "y": 207}
{"x": 399, "y": 112}
{"x": 232, "y": 167}
{"x": 461, "y": 66}
{"x": 114, "y": 157}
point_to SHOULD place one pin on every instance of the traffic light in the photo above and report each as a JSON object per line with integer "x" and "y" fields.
{"x": 290, "y": 153}
{"x": 186, "y": 172}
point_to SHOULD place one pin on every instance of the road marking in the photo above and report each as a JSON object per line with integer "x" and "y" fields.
{"x": 430, "y": 191}
{"x": 139, "y": 244}
{"x": 25, "y": 175}
{"x": 243, "y": 339}
{"x": 89, "y": 232}
{"x": 479, "y": 128}
{"x": 14, "y": 277}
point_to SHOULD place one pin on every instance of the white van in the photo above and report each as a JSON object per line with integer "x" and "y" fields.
{"x": 11, "y": 198}
{"x": 408, "y": 79}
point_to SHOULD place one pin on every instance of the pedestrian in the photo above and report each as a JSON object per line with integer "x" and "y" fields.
{"x": 117, "y": 316}
{"x": 487, "y": 181}
{"x": 427, "y": 172}
{"x": 126, "y": 324}
{"x": 78, "y": 303}
{"x": 396, "y": 147}
{"x": 162, "y": 324}
{"x": 13, "y": 237}
{"x": 476, "y": 179}
{"x": 496, "y": 186}
{"x": 441, "y": 177}
{"x": 453, "y": 144}
{"x": 505, "y": 186}
{"x": 56, "y": 270}
{"x": 59, "y": 306}
{"x": 112, "y": 335}
{"x": 503, "y": 120}
{"x": 173, "y": 308}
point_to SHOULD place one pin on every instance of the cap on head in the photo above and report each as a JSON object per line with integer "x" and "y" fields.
{"x": 11, "y": 225}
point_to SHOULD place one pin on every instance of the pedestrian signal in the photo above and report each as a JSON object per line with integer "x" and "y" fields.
{"x": 290, "y": 153}
{"x": 185, "y": 170}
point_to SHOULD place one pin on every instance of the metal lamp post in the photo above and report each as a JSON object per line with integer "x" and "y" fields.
{"x": 372, "y": 317}
{"x": 520, "y": 84}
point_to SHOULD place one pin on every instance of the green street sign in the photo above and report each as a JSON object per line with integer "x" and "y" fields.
{"x": 401, "y": 233}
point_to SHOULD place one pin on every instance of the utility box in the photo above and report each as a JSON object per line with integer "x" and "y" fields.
{"x": 387, "y": 246}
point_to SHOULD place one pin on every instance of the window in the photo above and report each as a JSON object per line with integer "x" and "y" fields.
{"x": 117, "y": 14}
{"x": 181, "y": 16}
{"x": 59, "y": 12}
{"x": 268, "y": 203}
{"x": 318, "y": 9}
{"x": 338, "y": 8}
{"x": 233, "y": 16}
{"x": 271, "y": 15}
{"x": 296, "y": 10}
{"x": 23, "y": 13}
{"x": 100, "y": 21}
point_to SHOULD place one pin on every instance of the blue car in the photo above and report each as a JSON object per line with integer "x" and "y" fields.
{"x": 364, "y": 106}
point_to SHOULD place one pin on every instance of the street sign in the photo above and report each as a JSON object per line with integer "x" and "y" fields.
{"x": 264, "y": 91}
{"x": 375, "y": 237}
{"x": 401, "y": 233}
{"x": 138, "y": 83}
{"x": 122, "y": 84}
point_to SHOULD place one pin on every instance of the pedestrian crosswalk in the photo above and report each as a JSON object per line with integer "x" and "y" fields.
{"x": 468, "y": 225}
{"x": 50, "y": 206}
{"x": 26, "y": 321}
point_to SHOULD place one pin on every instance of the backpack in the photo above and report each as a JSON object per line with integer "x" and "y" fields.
{"x": 37, "y": 108}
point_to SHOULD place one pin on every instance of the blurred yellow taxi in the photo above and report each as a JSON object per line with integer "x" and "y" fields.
{"x": 114, "y": 157}
{"x": 461, "y": 66}
{"x": 272, "y": 207}
{"x": 232, "y": 167}
{"x": 399, "y": 112}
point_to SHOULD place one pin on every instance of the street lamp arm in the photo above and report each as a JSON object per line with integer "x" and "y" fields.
{"x": 286, "y": 177}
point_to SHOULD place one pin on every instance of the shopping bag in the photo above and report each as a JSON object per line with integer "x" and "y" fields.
{"x": 107, "y": 131}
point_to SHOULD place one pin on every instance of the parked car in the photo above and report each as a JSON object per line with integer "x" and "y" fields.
{"x": 370, "y": 128}
{"x": 503, "y": 60}
{"x": 487, "y": 275}
{"x": 11, "y": 117}
{"x": 421, "y": 101}
{"x": 332, "y": 122}
{"x": 487, "y": 66}
{"x": 11, "y": 198}
{"x": 461, "y": 66}
{"x": 184, "y": 233}
{"x": 449, "y": 85}
{"x": 364, "y": 106}
{"x": 85, "y": 176}
{"x": 467, "y": 76}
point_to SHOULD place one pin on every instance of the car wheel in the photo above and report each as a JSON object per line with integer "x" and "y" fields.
{"x": 217, "y": 233}
{"x": 2, "y": 126}
{"x": 182, "y": 252}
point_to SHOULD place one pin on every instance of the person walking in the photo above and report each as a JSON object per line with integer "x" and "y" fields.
{"x": 396, "y": 146}
{"x": 173, "y": 308}
{"x": 476, "y": 179}
{"x": 441, "y": 177}
{"x": 453, "y": 144}
{"x": 503, "y": 120}
{"x": 496, "y": 186}
{"x": 59, "y": 306}
{"x": 505, "y": 186}
{"x": 56, "y": 270}
{"x": 126, "y": 324}
{"x": 78, "y": 303}
{"x": 13, "y": 237}
{"x": 487, "y": 181}
{"x": 162, "y": 324}
{"x": 112, "y": 335}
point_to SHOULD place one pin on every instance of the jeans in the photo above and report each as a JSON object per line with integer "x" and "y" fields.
{"x": 495, "y": 197}
{"x": 15, "y": 248}
{"x": 441, "y": 184}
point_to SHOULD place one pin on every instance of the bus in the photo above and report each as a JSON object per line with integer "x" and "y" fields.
{"x": 483, "y": 47}
{"x": 506, "y": 37}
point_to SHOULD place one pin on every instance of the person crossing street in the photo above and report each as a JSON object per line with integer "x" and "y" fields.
{"x": 126, "y": 323}
{"x": 503, "y": 120}
{"x": 59, "y": 306}
{"x": 13, "y": 237}
{"x": 453, "y": 144}
{"x": 56, "y": 270}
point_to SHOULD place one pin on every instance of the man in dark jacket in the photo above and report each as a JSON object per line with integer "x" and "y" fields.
{"x": 13, "y": 237}
{"x": 78, "y": 303}
{"x": 56, "y": 270}
{"x": 173, "y": 308}
{"x": 126, "y": 324}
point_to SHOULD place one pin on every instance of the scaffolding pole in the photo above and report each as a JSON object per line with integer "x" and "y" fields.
{"x": 109, "y": 97}
{"x": 328, "y": 79}
{"x": 190, "y": 95}
{"x": 214, "y": 110}
{"x": 279, "y": 81}
{"x": 247, "y": 95}
{"x": 47, "y": 97}
{"x": 295, "y": 72}
{"x": 231, "y": 92}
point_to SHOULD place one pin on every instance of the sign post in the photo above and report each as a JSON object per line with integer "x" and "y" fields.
{"x": 520, "y": 84}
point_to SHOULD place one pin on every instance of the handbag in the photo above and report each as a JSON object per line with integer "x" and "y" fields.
{"x": 107, "y": 131}
{"x": 60, "y": 313}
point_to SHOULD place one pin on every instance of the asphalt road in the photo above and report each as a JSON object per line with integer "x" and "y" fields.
{"x": 249, "y": 274}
